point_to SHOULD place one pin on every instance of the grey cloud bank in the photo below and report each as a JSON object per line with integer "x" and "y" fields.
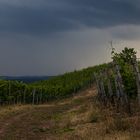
{"x": 48, "y": 37}
{"x": 45, "y": 17}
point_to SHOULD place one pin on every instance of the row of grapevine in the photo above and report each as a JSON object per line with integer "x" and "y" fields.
{"x": 119, "y": 84}
{"x": 14, "y": 92}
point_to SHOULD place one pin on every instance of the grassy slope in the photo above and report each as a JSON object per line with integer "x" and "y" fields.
{"x": 80, "y": 117}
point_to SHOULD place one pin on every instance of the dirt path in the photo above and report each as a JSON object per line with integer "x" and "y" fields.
{"x": 16, "y": 122}
{"x": 7, "y": 123}
{"x": 75, "y": 118}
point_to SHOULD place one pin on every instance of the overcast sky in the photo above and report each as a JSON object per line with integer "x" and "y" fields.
{"x": 50, "y": 37}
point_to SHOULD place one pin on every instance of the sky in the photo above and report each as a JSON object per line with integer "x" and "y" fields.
{"x": 51, "y": 37}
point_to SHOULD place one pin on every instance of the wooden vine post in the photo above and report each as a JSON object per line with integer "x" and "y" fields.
{"x": 24, "y": 96}
{"x": 9, "y": 83}
{"x": 102, "y": 87}
{"x": 137, "y": 75}
{"x": 33, "y": 100}
{"x": 98, "y": 84}
{"x": 122, "y": 94}
{"x": 109, "y": 85}
{"x": 40, "y": 98}
{"x": 119, "y": 85}
{"x": 37, "y": 98}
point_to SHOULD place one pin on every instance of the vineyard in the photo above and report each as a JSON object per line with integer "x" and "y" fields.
{"x": 14, "y": 92}
{"x": 118, "y": 83}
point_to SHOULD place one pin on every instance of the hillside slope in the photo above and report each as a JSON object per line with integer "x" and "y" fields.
{"x": 80, "y": 117}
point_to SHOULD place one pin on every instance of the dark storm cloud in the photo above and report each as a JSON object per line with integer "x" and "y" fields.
{"x": 41, "y": 37}
{"x": 45, "y": 17}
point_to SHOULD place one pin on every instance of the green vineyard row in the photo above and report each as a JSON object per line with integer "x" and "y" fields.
{"x": 14, "y": 92}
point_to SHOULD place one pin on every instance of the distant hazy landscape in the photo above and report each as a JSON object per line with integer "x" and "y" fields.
{"x": 26, "y": 79}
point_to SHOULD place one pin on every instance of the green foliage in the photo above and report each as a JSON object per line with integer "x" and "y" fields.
{"x": 126, "y": 56}
{"x": 59, "y": 87}
{"x": 125, "y": 60}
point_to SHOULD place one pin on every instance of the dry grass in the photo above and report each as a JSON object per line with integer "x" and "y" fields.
{"x": 12, "y": 110}
{"x": 78, "y": 118}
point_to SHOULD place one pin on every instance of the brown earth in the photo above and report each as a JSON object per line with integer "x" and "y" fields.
{"x": 80, "y": 117}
